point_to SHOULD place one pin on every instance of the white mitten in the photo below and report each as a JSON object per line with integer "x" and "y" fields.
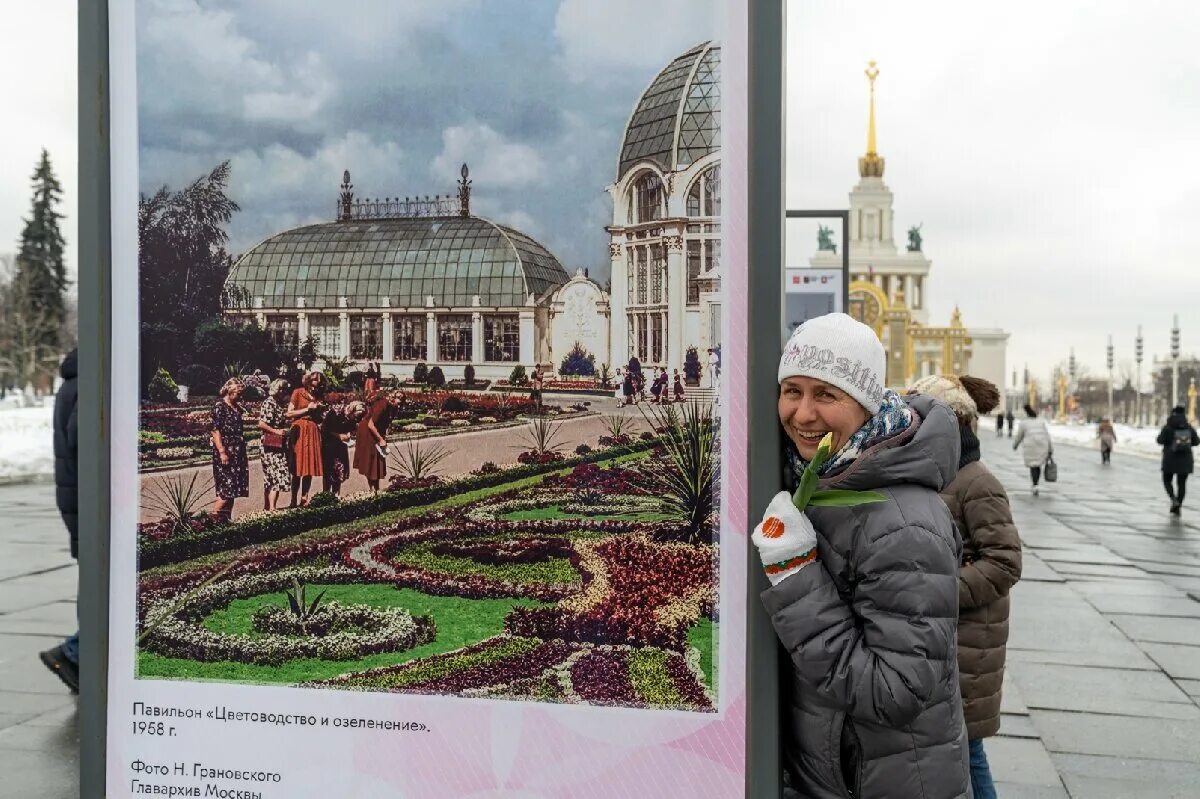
{"x": 785, "y": 539}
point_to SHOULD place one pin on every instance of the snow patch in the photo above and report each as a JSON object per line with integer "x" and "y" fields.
{"x": 26, "y": 443}
{"x": 1140, "y": 440}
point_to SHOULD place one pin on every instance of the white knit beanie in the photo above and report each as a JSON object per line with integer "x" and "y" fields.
{"x": 840, "y": 351}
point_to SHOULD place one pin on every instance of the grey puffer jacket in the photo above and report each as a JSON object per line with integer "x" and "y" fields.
{"x": 871, "y": 626}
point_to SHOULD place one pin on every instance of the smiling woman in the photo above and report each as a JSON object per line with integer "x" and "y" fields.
{"x": 887, "y": 566}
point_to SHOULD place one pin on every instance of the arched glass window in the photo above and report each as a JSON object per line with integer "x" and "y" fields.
{"x": 647, "y": 199}
{"x": 704, "y": 197}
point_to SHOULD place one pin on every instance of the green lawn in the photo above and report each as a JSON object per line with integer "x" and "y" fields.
{"x": 460, "y": 622}
{"x": 556, "y": 512}
{"x": 553, "y": 570}
{"x": 703, "y": 636}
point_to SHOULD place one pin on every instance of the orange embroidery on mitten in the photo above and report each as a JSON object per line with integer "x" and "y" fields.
{"x": 772, "y": 527}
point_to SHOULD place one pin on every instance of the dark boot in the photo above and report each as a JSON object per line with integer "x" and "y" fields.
{"x": 62, "y": 666}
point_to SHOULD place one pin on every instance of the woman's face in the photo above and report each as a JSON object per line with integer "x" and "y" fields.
{"x": 810, "y": 408}
{"x": 234, "y": 393}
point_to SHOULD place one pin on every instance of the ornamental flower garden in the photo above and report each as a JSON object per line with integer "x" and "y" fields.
{"x": 584, "y": 578}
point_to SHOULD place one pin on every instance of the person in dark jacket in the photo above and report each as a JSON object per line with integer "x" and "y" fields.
{"x": 865, "y": 598}
{"x": 991, "y": 566}
{"x": 1008, "y": 419}
{"x": 1177, "y": 439}
{"x": 63, "y": 659}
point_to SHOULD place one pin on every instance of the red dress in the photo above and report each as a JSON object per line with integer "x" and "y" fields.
{"x": 367, "y": 459}
{"x": 307, "y": 449}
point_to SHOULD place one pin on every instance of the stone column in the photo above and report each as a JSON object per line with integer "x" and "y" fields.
{"x": 389, "y": 337}
{"x": 908, "y": 291}
{"x": 618, "y": 343}
{"x": 431, "y": 347}
{"x": 343, "y": 329}
{"x": 476, "y": 336}
{"x": 527, "y": 332}
{"x": 918, "y": 301}
{"x": 676, "y": 301}
{"x": 301, "y": 326}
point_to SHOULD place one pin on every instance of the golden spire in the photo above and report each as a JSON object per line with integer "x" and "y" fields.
{"x": 871, "y": 165}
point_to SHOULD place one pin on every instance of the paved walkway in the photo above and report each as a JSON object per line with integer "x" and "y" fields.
{"x": 1101, "y": 694}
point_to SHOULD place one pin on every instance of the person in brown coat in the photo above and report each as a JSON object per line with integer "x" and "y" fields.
{"x": 991, "y": 566}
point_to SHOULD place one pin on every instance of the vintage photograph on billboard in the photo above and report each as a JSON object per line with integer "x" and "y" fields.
{"x": 430, "y": 350}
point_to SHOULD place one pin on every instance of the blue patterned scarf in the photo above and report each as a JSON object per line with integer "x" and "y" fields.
{"x": 894, "y": 417}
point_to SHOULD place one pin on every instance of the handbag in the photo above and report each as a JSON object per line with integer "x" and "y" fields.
{"x": 1051, "y": 471}
{"x": 272, "y": 441}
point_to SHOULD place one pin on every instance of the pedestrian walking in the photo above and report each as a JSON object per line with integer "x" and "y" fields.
{"x": 63, "y": 659}
{"x": 370, "y": 440}
{"x": 990, "y": 567}
{"x": 305, "y": 409}
{"x": 865, "y": 598}
{"x": 1108, "y": 437}
{"x": 371, "y": 380}
{"x": 231, "y": 467}
{"x": 1177, "y": 440}
{"x": 273, "y": 423}
{"x": 1008, "y": 417}
{"x": 656, "y": 387}
{"x": 535, "y": 386}
{"x": 1034, "y": 440}
{"x": 627, "y": 388}
{"x": 619, "y": 389}
{"x": 999, "y": 424}
{"x": 678, "y": 387}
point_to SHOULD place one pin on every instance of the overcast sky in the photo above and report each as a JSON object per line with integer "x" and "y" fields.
{"x": 1049, "y": 149}
{"x": 534, "y": 96}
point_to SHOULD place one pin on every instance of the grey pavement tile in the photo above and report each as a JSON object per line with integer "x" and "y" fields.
{"x": 21, "y": 594}
{"x": 1072, "y": 632}
{"x": 1113, "y": 691}
{"x": 30, "y": 676}
{"x": 1190, "y": 687}
{"x": 1094, "y": 570}
{"x": 56, "y": 718}
{"x": 1016, "y": 790}
{"x": 1189, "y": 584}
{"x": 1034, "y": 569}
{"x": 44, "y": 775}
{"x": 1119, "y": 736}
{"x": 58, "y": 738}
{"x": 1102, "y": 777}
{"x": 1011, "y": 701}
{"x": 1160, "y": 630}
{"x": 30, "y": 704}
{"x": 1105, "y": 587}
{"x": 1180, "y": 661}
{"x": 1160, "y": 606}
{"x": 1020, "y": 760}
{"x": 53, "y": 630}
{"x": 1132, "y": 658}
{"x": 1012, "y": 726}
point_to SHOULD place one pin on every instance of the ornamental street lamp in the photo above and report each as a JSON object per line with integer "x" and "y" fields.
{"x": 1191, "y": 394}
{"x": 1063, "y": 382}
{"x": 1174, "y": 365}
{"x": 1110, "y": 380}
{"x": 1137, "y": 357}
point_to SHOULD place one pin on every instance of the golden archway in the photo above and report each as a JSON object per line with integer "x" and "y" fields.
{"x": 868, "y": 304}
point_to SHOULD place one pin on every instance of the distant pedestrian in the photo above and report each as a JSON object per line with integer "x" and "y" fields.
{"x": 991, "y": 565}
{"x": 1008, "y": 417}
{"x": 627, "y": 387}
{"x": 656, "y": 387}
{"x": 999, "y": 424}
{"x": 336, "y": 426}
{"x": 678, "y": 387}
{"x": 63, "y": 659}
{"x": 1177, "y": 440}
{"x": 535, "y": 387}
{"x": 1036, "y": 449}
{"x": 1108, "y": 437}
{"x": 231, "y": 468}
{"x": 305, "y": 408}
{"x": 370, "y": 440}
{"x": 371, "y": 380}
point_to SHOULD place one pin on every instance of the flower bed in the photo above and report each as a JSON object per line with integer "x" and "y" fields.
{"x": 502, "y": 553}
{"x": 176, "y": 629}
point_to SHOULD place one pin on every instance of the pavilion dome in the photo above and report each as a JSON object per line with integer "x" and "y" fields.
{"x": 677, "y": 120}
{"x": 407, "y": 259}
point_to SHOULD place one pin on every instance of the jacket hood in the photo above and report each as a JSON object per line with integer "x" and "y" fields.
{"x": 925, "y": 454}
{"x": 1178, "y": 420}
{"x": 69, "y": 369}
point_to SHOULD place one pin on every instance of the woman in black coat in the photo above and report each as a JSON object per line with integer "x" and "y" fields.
{"x": 1177, "y": 439}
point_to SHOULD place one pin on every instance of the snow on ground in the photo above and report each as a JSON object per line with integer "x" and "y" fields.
{"x": 26, "y": 443}
{"x": 1139, "y": 440}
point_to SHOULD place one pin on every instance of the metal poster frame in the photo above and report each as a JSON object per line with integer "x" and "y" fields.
{"x": 765, "y": 234}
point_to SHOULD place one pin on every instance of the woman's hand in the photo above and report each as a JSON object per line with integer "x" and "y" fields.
{"x": 224, "y": 456}
{"x": 785, "y": 539}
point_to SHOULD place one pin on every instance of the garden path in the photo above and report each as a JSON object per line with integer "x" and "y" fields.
{"x": 468, "y": 451}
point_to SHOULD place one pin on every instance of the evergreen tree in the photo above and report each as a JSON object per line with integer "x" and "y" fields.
{"x": 40, "y": 281}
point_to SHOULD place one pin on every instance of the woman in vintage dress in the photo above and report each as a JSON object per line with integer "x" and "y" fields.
{"x": 272, "y": 421}
{"x": 305, "y": 410}
{"x": 337, "y": 425}
{"x": 370, "y": 440}
{"x": 231, "y": 471}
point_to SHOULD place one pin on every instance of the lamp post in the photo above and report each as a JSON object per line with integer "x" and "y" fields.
{"x": 1137, "y": 357}
{"x": 1191, "y": 395}
{"x": 1174, "y": 365}
{"x": 1110, "y": 380}
{"x": 1072, "y": 385}
{"x": 1062, "y": 396}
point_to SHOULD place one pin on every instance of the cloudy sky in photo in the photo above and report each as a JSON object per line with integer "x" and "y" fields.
{"x": 1049, "y": 149}
{"x": 534, "y": 96}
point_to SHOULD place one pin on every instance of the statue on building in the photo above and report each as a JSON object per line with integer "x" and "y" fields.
{"x": 825, "y": 239}
{"x": 914, "y": 238}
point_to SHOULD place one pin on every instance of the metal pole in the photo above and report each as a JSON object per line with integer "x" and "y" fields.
{"x": 1137, "y": 394}
{"x": 1110, "y": 380}
{"x": 1174, "y": 365}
